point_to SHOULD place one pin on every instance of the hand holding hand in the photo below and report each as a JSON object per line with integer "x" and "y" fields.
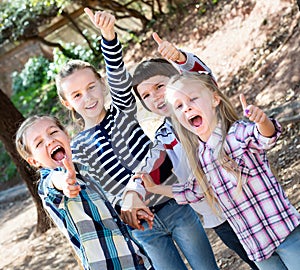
{"x": 103, "y": 21}
{"x": 168, "y": 50}
{"x": 134, "y": 210}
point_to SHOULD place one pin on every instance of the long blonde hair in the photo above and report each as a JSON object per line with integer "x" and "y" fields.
{"x": 226, "y": 115}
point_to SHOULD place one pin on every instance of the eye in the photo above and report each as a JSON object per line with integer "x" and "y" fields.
{"x": 91, "y": 87}
{"x": 178, "y": 106}
{"x": 39, "y": 143}
{"x": 160, "y": 86}
{"x": 194, "y": 98}
{"x": 76, "y": 96}
{"x": 145, "y": 96}
{"x": 53, "y": 132}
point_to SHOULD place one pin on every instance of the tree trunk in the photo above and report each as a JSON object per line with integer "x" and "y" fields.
{"x": 10, "y": 119}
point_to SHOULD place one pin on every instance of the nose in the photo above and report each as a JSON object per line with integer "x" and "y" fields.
{"x": 186, "y": 107}
{"x": 49, "y": 140}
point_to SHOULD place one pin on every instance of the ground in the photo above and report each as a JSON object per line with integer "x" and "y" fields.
{"x": 252, "y": 48}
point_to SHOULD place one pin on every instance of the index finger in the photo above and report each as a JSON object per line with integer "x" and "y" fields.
{"x": 157, "y": 39}
{"x": 69, "y": 167}
{"x": 243, "y": 101}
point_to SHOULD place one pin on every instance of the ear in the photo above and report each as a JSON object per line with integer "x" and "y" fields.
{"x": 216, "y": 100}
{"x": 33, "y": 162}
{"x": 66, "y": 104}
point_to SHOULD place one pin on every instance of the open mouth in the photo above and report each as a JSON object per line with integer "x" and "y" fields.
{"x": 196, "y": 121}
{"x": 58, "y": 153}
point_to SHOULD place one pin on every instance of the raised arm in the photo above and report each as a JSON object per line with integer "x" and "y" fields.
{"x": 119, "y": 79}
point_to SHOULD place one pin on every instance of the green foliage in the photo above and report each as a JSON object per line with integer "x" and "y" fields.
{"x": 8, "y": 169}
{"x": 33, "y": 91}
{"x": 83, "y": 53}
{"x": 20, "y": 19}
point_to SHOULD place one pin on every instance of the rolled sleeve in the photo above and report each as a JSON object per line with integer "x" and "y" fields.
{"x": 188, "y": 192}
{"x": 268, "y": 142}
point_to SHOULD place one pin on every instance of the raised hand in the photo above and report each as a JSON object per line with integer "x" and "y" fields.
{"x": 252, "y": 112}
{"x": 68, "y": 184}
{"x": 168, "y": 50}
{"x": 264, "y": 124}
{"x": 103, "y": 21}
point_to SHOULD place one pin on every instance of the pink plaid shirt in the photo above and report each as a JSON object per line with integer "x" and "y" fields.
{"x": 260, "y": 214}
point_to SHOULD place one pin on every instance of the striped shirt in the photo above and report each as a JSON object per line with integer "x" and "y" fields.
{"x": 260, "y": 214}
{"x": 98, "y": 236}
{"x": 113, "y": 149}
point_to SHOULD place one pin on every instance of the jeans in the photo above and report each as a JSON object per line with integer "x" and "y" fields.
{"x": 230, "y": 239}
{"x": 286, "y": 256}
{"x": 180, "y": 224}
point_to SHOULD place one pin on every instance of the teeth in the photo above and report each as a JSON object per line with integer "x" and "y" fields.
{"x": 161, "y": 105}
{"x": 91, "y": 106}
{"x": 54, "y": 149}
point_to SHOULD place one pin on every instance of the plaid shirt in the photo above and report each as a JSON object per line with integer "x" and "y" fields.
{"x": 260, "y": 214}
{"x": 100, "y": 239}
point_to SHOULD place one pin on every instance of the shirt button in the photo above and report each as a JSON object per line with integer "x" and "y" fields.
{"x": 115, "y": 220}
{"x": 126, "y": 239}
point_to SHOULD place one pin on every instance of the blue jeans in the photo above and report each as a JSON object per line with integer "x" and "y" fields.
{"x": 229, "y": 238}
{"x": 180, "y": 224}
{"x": 286, "y": 256}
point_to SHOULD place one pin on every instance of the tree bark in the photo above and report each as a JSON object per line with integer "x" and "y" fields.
{"x": 10, "y": 119}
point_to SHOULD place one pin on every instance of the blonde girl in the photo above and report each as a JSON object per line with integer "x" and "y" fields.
{"x": 229, "y": 161}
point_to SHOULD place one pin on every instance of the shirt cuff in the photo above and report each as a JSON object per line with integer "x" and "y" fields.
{"x": 268, "y": 141}
{"x": 135, "y": 185}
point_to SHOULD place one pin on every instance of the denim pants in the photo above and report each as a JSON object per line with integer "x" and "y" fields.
{"x": 286, "y": 256}
{"x": 230, "y": 239}
{"x": 180, "y": 224}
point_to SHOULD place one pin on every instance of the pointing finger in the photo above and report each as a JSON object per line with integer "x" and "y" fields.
{"x": 157, "y": 39}
{"x": 243, "y": 101}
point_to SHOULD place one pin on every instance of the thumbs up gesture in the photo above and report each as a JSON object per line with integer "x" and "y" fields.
{"x": 69, "y": 187}
{"x": 66, "y": 182}
{"x": 264, "y": 124}
{"x": 168, "y": 50}
{"x": 252, "y": 112}
{"x": 103, "y": 21}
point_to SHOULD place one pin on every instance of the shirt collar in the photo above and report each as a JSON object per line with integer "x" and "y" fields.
{"x": 214, "y": 141}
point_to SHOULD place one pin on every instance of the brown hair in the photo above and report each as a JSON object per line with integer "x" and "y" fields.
{"x": 150, "y": 68}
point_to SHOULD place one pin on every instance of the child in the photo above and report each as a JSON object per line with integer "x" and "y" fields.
{"x": 98, "y": 236}
{"x": 149, "y": 80}
{"x": 231, "y": 165}
{"x": 113, "y": 144}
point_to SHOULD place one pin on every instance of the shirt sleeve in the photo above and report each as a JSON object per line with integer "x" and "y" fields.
{"x": 188, "y": 192}
{"x": 137, "y": 186}
{"x": 247, "y": 134}
{"x": 48, "y": 193}
{"x": 194, "y": 64}
{"x": 118, "y": 77}
{"x": 268, "y": 142}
